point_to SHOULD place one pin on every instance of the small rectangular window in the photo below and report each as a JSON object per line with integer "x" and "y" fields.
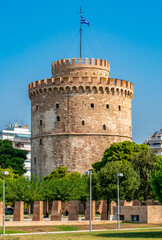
{"x": 122, "y": 217}
{"x": 35, "y": 160}
{"x": 135, "y": 218}
{"x": 40, "y": 122}
{"x": 36, "y": 107}
{"x": 92, "y": 105}
{"x": 57, "y": 105}
{"x": 119, "y": 108}
{"x": 107, "y": 106}
{"x": 40, "y": 141}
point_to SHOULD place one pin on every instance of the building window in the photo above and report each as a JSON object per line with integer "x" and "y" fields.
{"x": 40, "y": 122}
{"x": 16, "y": 145}
{"x": 58, "y": 118}
{"x": 22, "y": 145}
{"x": 104, "y": 127}
{"x": 119, "y": 108}
{"x": 57, "y": 105}
{"x": 83, "y": 122}
{"x": 92, "y": 105}
{"x": 36, "y": 107}
{"x": 107, "y": 106}
{"x": 40, "y": 141}
{"x": 122, "y": 217}
{"x": 35, "y": 160}
{"x": 135, "y": 218}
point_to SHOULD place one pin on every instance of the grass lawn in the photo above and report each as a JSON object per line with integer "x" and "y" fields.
{"x": 112, "y": 235}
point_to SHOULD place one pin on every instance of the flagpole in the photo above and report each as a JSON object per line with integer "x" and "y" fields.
{"x": 80, "y": 33}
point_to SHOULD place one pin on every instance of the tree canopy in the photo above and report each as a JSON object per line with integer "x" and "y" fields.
{"x": 106, "y": 185}
{"x": 156, "y": 180}
{"x": 139, "y": 158}
{"x": 11, "y": 157}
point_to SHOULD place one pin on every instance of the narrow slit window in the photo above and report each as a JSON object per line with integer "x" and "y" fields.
{"x": 58, "y": 118}
{"x": 92, "y": 105}
{"x": 35, "y": 160}
{"x": 83, "y": 122}
{"x": 104, "y": 127}
{"x": 57, "y": 105}
{"x": 40, "y": 122}
{"x": 119, "y": 108}
{"x": 40, "y": 141}
{"x": 107, "y": 106}
{"x": 36, "y": 107}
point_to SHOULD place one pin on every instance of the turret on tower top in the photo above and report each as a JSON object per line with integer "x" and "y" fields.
{"x": 69, "y": 66}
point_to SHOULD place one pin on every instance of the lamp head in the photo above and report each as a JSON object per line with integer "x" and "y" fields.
{"x": 5, "y": 173}
{"x": 88, "y": 172}
{"x": 119, "y": 174}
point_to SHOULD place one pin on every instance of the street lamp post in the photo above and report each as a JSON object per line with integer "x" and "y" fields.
{"x": 90, "y": 209}
{"x": 4, "y": 174}
{"x": 118, "y": 175}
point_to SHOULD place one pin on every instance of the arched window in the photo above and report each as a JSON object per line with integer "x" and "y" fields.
{"x": 107, "y": 106}
{"x": 83, "y": 122}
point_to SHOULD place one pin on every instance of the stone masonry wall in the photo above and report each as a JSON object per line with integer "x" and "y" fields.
{"x": 77, "y": 114}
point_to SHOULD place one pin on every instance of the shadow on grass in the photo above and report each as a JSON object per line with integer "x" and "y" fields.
{"x": 129, "y": 235}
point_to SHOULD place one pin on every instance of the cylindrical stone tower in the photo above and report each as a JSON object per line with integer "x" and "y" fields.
{"x": 77, "y": 114}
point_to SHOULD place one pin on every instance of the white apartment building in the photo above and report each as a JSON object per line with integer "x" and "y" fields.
{"x": 20, "y": 137}
{"x": 155, "y": 142}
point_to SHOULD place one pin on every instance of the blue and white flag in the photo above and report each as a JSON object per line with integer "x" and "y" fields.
{"x": 82, "y": 20}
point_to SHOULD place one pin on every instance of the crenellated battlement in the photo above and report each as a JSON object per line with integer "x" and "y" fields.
{"x": 70, "y": 66}
{"x": 78, "y": 85}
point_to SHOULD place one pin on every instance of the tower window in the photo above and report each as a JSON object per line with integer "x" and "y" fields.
{"x": 92, "y": 105}
{"x": 107, "y": 106}
{"x": 36, "y": 107}
{"x": 57, "y": 105}
{"x": 40, "y": 141}
{"x": 40, "y": 122}
{"x": 83, "y": 122}
{"x": 119, "y": 108}
{"x": 58, "y": 118}
{"x": 104, "y": 127}
{"x": 35, "y": 160}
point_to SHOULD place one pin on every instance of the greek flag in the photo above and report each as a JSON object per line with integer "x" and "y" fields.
{"x": 82, "y": 20}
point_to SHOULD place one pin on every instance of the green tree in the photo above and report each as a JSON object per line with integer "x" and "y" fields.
{"x": 58, "y": 173}
{"x": 120, "y": 152}
{"x": 156, "y": 180}
{"x": 11, "y": 157}
{"x": 71, "y": 187}
{"x": 144, "y": 164}
{"x": 24, "y": 189}
{"x": 141, "y": 159}
{"x": 105, "y": 182}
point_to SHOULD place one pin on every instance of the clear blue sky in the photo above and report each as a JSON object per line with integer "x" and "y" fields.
{"x": 126, "y": 33}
